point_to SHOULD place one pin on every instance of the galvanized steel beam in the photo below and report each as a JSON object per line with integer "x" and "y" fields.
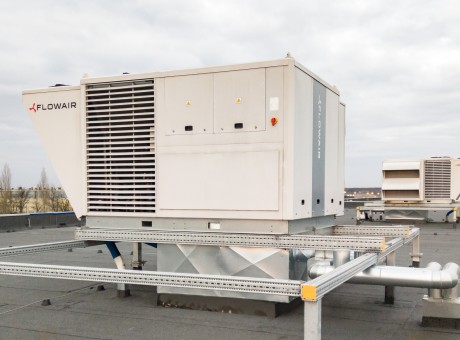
{"x": 388, "y": 231}
{"x": 151, "y": 278}
{"x": 38, "y": 248}
{"x": 391, "y": 246}
{"x": 414, "y": 232}
{"x": 318, "y": 242}
{"x": 315, "y": 289}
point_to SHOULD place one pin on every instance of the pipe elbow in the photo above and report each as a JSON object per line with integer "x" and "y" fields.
{"x": 452, "y": 270}
{"x": 442, "y": 280}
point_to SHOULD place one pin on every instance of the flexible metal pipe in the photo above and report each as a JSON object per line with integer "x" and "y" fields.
{"x": 398, "y": 276}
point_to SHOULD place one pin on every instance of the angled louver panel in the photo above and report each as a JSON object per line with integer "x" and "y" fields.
{"x": 437, "y": 179}
{"x": 120, "y": 147}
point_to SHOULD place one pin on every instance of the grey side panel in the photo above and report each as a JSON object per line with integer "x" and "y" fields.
{"x": 319, "y": 148}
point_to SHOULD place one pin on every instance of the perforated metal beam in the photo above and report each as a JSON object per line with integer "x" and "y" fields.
{"x": 391, "y": 247}
{"x": 214, "y": 282}
{"x": 315, "y": 289}
{"x": 318, "y": 242}
{"x": 388, "y": 231}
{"x": 396, "y": 243}
{"x": 414, "y": 232}
{"x": 38, "y": 248}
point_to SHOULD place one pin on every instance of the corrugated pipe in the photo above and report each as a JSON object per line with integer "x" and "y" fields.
{"x": 431, "y": 277}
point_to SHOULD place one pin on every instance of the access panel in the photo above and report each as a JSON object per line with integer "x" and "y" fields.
{"x": 189, "y": 104}
{"x": 239, "y": 101}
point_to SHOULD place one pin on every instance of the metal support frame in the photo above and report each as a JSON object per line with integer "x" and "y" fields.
{"x": 38, "y": 248}
{"x": 372, "y": 250}
{"x": 388, "y": 231}
{"x": 137, "y": 262}
{"x": 302, "y": 242}
{"x": 416, "y": 255}
{"x": 153, "y": 278}
{"x": 315, "y": 289}
{"x": 390, "y": 290}
{"x": 312, "y": 320}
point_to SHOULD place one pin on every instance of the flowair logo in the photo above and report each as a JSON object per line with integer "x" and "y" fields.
{"x": 52, "y": 106}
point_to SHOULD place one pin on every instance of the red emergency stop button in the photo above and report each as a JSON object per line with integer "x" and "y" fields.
{"x": 274, "y": 121}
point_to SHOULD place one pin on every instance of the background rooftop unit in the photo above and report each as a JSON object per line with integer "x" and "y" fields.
{"x": 435, "y": 179}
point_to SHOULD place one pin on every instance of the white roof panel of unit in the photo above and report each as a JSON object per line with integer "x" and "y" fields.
{"x": 401, "y": 165}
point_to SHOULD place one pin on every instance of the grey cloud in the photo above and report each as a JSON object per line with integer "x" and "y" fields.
{"x": 395, "y": 62}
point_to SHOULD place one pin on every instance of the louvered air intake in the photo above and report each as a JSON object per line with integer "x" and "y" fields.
{"x": 120, "y": 123}
{"x": 437, "y": 178}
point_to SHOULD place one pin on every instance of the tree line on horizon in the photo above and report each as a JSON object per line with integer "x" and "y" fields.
{"x": 42, "y": 198}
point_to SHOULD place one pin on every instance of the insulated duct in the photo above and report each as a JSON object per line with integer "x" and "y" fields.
{"x": 430, "y": 277}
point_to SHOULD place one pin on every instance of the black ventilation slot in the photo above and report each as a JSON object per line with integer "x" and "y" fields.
{"x": 189, "y": 128}
{"x": 238, "y": 125}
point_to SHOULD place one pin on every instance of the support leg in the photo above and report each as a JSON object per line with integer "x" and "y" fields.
{"x": 312, "y": 320}
{"x": 416, "y": 255}
{"x": 454, "y": 218}
{"x": 390, "y": 290}
{"x": 122, "y": 289}
{"x": 137, "y": 256}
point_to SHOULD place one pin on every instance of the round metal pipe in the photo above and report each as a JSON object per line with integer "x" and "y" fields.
{"x": 435, "y": 266}
{"x": 340, "y": 257}
{"x": 308, "y": 253}
{"x": 405, "y": 277}
{"x": 397, "y": 276}
{"x": 454, "y": 270}
{"x": 319, "y": 269}
{"x": 434, "y": 293}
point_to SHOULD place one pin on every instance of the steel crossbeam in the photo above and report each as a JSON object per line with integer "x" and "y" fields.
{"x": 388, "y": 231}
{"x": 151, "y": 278}
{"x": 318, "y": 242}
{"x": 396, "y": 243}
{"x": 38, "y": 248}
{"x": 315, "y": 289}
{"x": 391, "y": 247}
{"x": 414, "y": 232}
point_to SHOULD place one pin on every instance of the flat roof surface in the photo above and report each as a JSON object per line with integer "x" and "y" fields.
{"x": 79, "y": 311}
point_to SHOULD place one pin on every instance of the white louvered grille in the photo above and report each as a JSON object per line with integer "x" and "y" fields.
{"x": 437, "y": 178}
{"x": 120, "y": 149}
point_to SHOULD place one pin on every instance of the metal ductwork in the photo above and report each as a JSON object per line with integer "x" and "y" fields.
{"x": 431, "y": 277}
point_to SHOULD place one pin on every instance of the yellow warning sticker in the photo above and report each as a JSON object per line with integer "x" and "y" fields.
{"x": 188, "y": 103}
{"x": 238, "y": 100}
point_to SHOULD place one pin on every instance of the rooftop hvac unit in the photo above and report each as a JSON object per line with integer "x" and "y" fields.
{"x": 252, "y": 148}
{"x": 252, "y": 142}
{"x": 435, "y": 179}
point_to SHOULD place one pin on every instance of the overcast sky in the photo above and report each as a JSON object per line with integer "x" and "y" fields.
{"x": 396, "y": 63}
